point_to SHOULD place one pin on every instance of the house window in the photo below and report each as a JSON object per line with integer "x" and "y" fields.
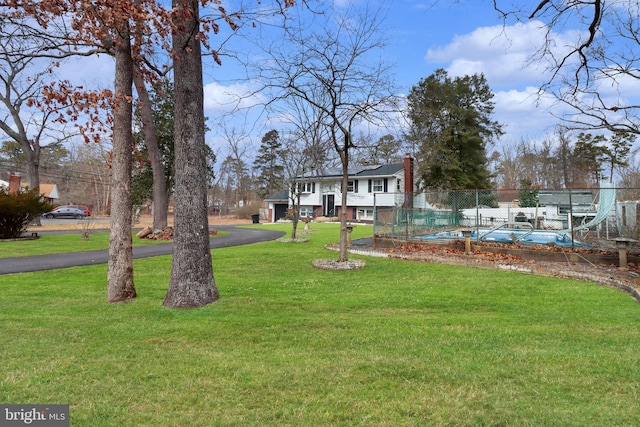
{"x": 352, "y": 186}
{"x": 365, "y": 214}
{"x": 307, "y": 187}
{"x": 378, "y": 185}
{"x": 306, "y": 211}
{"x": 399, "y": 185}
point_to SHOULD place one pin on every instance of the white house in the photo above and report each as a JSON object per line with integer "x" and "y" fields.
{"x": 369, "y": 186}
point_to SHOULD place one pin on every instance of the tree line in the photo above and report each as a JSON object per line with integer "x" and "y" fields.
{"x": 564, "y": 159}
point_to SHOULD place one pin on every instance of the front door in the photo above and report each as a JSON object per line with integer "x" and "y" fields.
{"x": 281, "y": 211}
{"x": 329, "y": 205}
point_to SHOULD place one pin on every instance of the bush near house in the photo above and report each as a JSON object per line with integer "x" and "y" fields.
{"x": 17, "y": 210}
{"x": 247, "y": 210}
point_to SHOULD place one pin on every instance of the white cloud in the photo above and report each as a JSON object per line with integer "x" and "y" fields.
{"x": 524, "y": 113}
{"x": 96, "y": 71}
{"x": 502, "y": 53}
{"x": 219, "y": 99}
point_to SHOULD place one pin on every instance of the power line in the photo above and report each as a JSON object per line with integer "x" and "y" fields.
{"x": 62, "y": 174}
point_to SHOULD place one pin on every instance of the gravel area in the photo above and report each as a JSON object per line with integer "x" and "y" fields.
{"x": 290, "y": 240}
{"x": 333, "y": 264}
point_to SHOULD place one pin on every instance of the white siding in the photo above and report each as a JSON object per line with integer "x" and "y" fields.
{"x": 312, "y": 199}
{"x": 363, "y": 198}
{"x": 387, "y": 199}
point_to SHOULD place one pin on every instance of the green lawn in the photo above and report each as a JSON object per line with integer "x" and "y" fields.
{"x": 49, "y": 243}
{"x": 397, "y": 343}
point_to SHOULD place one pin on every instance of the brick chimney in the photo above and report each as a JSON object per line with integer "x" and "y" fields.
{"x": 14, "y": 183}
{"x": 408, "y": 182}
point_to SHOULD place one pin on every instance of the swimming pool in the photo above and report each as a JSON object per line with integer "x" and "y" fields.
{"x": 509, "y": 235}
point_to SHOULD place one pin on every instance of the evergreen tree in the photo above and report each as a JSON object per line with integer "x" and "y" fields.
{"x": 589, "y": 155}
{"x": 528, "y": 194}
{"x": 450, "y": 127}
{"x": 161, "y": 97}
{"x": 269, "y": 164}
{"x": 617, "y": 155}
{"x": 18, "y": 210}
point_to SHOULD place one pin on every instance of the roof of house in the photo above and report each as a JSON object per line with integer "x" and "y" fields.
{"x": 508, "y": 195}
{"x": 382, "y": 170}
{"x": 566, "y": 197}
{"x": 49, "y": 191}
{"x": 362, "y": 171}
{"x": 278, "y": 197}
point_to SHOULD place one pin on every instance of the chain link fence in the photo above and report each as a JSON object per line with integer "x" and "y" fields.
{"x": 564, "y": 217}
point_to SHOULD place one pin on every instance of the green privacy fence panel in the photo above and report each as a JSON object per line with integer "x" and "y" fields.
{"x": 394, "y": 221}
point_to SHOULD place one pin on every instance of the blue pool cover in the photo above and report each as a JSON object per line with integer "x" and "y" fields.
{"x": 504, "y": 235}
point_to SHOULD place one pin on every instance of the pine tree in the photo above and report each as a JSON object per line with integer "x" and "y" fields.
{"x": 450, "y": 126}
{"x": 269, "y": 164}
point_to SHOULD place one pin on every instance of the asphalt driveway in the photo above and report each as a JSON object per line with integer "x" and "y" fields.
{"x": 236, "y": 237}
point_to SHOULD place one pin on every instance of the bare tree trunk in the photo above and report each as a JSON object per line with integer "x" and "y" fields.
{"x": 192, "y": 283}
{"x": 160, "y": 195}
{"x": 32, "y": 154}
{"x": 344, "y": 250}
{"x": 120, "y": 285}
{"x": 102, "y": 190}
{"x": 296, "y": 210}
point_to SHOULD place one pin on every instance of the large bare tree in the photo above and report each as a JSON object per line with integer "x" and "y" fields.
{"x": 236, "y": 168}
{"x": 160, "y": 193}
{"x": 192, "y": 282}
{"x": 120, "y": 267}
{"x": 596, "y": 73}
{"x": 134, "y": 31}
{"x": 106, "y": 27}
{"x": 27, "y": 57}
{"x": 334, "y": 64}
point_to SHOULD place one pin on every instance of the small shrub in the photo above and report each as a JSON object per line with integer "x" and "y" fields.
{"x": 17, "y": 210}
{"x": 246, "y": 211}
{"x": 86, "y": 227}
